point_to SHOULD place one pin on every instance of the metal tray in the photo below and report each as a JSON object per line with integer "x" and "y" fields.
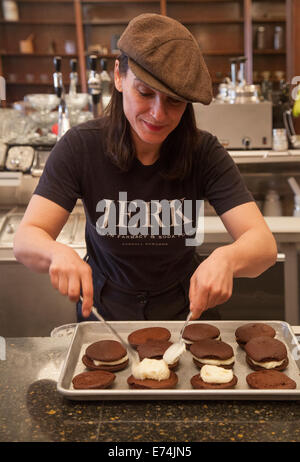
{"x": 89, "y": 332}
{"x": 11, "y": 222}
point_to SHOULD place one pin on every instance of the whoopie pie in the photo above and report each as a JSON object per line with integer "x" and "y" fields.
{"x": 266, "y": 353}
{"x": 199, "y": 331}
{"x": 107, "y": 355}
{"x": 247, "y": 331}
{"x": 141, "y": 336}
{"x": 213, "y": 352}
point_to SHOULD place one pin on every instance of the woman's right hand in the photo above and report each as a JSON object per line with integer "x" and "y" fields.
{"x": 70, "y": 275}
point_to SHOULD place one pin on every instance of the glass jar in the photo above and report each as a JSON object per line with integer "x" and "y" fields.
{"x": 10, "y": 10}
{"x": 280, "y": 142}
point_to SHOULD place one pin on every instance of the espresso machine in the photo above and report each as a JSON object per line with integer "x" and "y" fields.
{"x": 238, "y": 116}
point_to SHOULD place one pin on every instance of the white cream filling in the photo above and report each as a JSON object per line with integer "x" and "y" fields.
{"x": 110, "y": 363}
{"x": 268, "y": 364}
{"x": 189, "y": 342}
{"x": 215, "y": 362}
{"x": 156, "y": 369}
{"x": 215, "y": 374}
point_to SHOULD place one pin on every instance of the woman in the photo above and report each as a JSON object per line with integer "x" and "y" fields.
{"x": 140, "y": 171}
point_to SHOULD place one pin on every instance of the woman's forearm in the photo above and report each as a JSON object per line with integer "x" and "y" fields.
{"x": 252, "y": 254}
{"x": 34, "y": 248}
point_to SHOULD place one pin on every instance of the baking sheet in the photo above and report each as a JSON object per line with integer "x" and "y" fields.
{"x": 89, "y": 332}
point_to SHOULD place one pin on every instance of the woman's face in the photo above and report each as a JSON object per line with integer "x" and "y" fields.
{"x": 151, "y": 114}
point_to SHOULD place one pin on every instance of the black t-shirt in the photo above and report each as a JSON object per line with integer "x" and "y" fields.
{"x": 138, "y": 222}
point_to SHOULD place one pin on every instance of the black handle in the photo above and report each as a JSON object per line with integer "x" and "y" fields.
{"x": 73, "y": 64}
{"x": 57, "y": 63}
{"x": 93, "y": 62}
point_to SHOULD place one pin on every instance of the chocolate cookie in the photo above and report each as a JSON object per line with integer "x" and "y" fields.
{"x": 140, "y": 336}
{"x": 253, "y": 329}
{"x": 209, "y": 351}
{"x": 199, "y": 331}
{"x": 198, "y": 383}
{"x": 93, "y": 380}
{"x": 138, "y": 384}
{"x": 154, "y": 349}
{"x": 270, "y": 379}
{"x": 262, "y": 350}
{"x": 105, "y": 355}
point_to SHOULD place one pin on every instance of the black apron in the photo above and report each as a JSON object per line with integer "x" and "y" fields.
{"x": 115, "y": 303}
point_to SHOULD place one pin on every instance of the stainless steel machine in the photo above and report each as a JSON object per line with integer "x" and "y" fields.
{"x": 238, "y": 116}
{"x": 239, "y": 125}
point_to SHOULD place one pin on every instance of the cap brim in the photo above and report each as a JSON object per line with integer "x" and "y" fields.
{"x": 152, "y": 82}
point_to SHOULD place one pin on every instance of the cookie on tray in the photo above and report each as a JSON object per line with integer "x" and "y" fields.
{"x": 250, "y": 330}
{"x": 106, "y": 355}
{"x": 270, "y": 379}
{"x": 214, "y": 378}
{"x": 266, "y": 353}
{"x": 155, "y": 349}
{"x": 93, "y": 380}
{"x": 141, "y": 336}
{"x": 152, "y": 374}
{"x": 199, "y": 331}
{"x": 213, "y": 352}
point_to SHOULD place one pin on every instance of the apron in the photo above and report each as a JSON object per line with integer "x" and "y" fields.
{"x": 115, "y": 303}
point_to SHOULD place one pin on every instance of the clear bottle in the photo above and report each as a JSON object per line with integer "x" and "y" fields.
{"x": 278, "y": 38}
{"x": 280, "y": 141}
{"x": 272, "y": 205}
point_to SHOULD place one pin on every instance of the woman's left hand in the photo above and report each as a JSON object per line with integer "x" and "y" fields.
{"x": 211, "y": 284}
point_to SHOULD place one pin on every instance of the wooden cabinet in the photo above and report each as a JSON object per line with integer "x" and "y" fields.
{"x": 75, "y": 28}
{"x": 52, "y": 27}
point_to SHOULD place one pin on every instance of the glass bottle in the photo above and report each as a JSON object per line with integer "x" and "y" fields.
{"x": 260, "y": 38}
{"x": 280, "y": 142}
{"x": 278, "y": 38}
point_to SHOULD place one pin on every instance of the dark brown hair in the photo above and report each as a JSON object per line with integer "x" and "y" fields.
{"x": 177, "y": 149}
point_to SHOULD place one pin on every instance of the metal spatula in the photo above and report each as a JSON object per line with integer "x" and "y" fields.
{"x": 131, "y": 351}
{"x": 174, "y": 351}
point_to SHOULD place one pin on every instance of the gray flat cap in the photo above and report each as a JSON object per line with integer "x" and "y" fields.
{"x": 166, "y": 56}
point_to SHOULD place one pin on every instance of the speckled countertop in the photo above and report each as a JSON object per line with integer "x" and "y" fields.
{"x": 32, "y": 410}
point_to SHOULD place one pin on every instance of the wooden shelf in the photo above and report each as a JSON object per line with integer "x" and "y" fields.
{"x": 269, "y": 52}
{"x": 119, "y": 1}
{"x": 105, "y": 22}
{"x": 224, "y": 53}
{"x": 45, "y": 1}
{"x": 38, "y": 23}
{"x": 268, "y": 20}
{"x": 204, "y": 1}
{"x": 24, "y": 82}
{"x": 37, "y": 55}
{"x": 62, "y": 20}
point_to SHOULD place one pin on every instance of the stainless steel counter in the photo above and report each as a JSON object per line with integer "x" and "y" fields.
{"x": 286, "y": 231}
